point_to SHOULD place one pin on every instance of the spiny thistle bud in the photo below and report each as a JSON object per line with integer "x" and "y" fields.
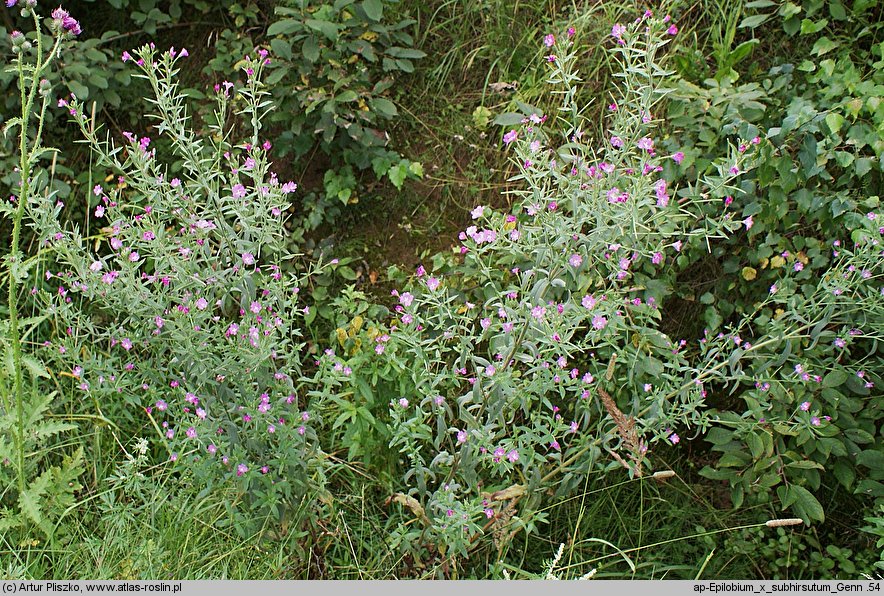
{"x": 63, "y": 22}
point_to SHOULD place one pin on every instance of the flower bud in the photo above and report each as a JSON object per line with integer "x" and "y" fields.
{"x": 17, "y": 38}
{"x": 45, "y": 87}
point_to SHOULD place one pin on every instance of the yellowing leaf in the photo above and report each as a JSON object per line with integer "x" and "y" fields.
{"x": 749, "y": 273}
{"x": 412, "y": 503}
{"x": 777, "y": 262}
{"x": 514, "y": 491}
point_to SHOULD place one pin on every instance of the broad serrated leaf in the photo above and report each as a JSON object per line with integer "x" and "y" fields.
{"x": 10, "y": 124}
{"x": 30, "y": 501}
{"x": 50, "y": 428}
{"x": 34, "y": 366}
{"x": 9, "y": 521}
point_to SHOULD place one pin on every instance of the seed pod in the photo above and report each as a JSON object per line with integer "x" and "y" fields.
{"x": 779, "y": 523}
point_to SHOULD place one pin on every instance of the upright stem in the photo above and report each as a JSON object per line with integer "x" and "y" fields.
{"x": 28, "y": 94}
{"x": 14, "y": 259}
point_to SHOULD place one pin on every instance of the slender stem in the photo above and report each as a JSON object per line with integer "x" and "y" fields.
{"x": 28, "y": 95}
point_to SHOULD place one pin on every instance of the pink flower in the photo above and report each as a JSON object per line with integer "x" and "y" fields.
{"x": 433, "y": 284}
{"x": 239, "y": 191}
{"x": 678, "y": 157}
{"x": 672, "y": 30}
{"x": 575, "y": 260}
{"x": 241, "y": 469}
{"x": 599, "y": 322}
{"x": 674, "y": 438}
{"x": 248, "y": 258}
{"x": 805, "y": 406}
{"x": 510, "y": 137}
{"x": 549, "y": 41}
{"x": 588, "y": 302}
{"x": 645, "y": 143}
{"x": 617, "y": 31}
{"x": 513, "y": 456}
{"x": 406, "y": 299}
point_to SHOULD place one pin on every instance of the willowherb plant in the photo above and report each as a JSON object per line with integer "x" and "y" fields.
{"x": 540, "y": 359}
{"x": 809, "y": 384}
{"x": 178, "y": 314}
